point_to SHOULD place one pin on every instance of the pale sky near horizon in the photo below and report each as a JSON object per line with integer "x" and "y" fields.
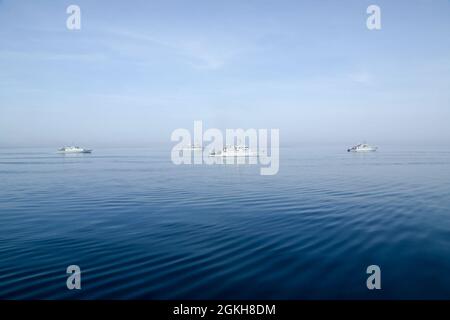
{"x": 137, "y": 70}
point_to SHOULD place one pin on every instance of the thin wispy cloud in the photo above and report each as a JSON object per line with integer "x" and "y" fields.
{"x": 52, "y": 56}
{"x": 197, "y": 53}
{"x": 360, "y": 77}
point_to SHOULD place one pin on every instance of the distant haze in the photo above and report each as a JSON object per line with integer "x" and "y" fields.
{"x": 137, "y": 70}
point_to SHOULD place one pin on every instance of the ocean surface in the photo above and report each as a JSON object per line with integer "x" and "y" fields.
{"x": 141, "y": 227}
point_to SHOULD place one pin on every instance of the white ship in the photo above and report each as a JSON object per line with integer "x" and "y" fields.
{"x": 234, "y": 151}
{"x": 73, "y": 150}
{"x": 362, "y": 147}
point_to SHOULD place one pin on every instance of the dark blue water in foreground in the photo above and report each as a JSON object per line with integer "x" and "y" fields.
{"x": 141, "y": 227}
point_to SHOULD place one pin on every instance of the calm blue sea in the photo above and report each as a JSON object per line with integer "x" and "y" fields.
{"x": 141, "y": 227}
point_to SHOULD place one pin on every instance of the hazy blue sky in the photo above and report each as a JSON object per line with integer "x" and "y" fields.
{"x": 139, "y": 69}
